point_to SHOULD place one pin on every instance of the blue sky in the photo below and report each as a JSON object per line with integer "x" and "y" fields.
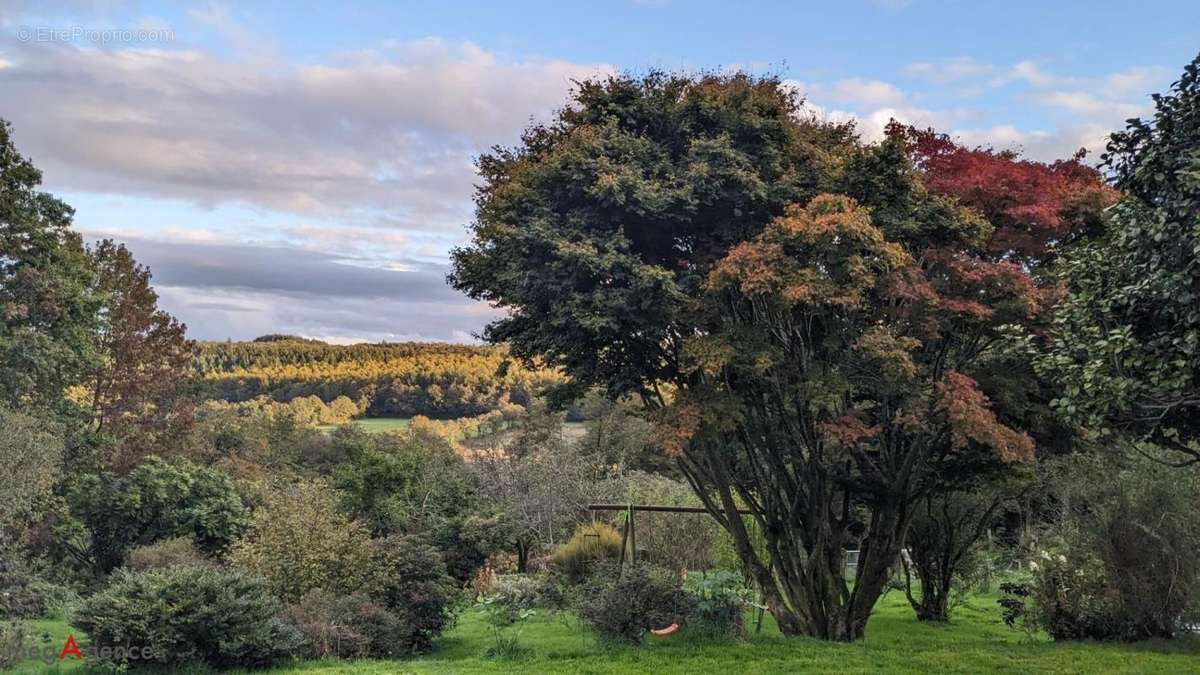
{"x": 305, "y": 167}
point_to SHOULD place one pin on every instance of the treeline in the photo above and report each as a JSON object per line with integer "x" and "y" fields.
{"x": 388, "y": 380}
{"x": 304, "y": 410}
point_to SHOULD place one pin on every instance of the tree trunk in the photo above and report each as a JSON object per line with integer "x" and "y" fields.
{"x": 522, "y": 557}
{"x": 812, "y": 598}
{"x": 934, "y": 604}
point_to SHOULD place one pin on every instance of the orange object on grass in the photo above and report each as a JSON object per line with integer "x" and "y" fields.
{"x": 664, "y": 632}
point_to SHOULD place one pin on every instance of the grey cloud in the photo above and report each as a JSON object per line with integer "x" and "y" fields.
{"x": 240, "y": 291}
{"x": 218, "y": 313}
{"x": 288, "y": 270}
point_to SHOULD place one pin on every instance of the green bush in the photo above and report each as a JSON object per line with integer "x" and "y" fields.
{"x": 13, "y": 640}
{"x": 622, "y": 609}
{"x": 409, "y": 578}
{"x": 346, "y": 626}
{"x": 411, "y": 483}
{"x": 527, "y": 591}
{"x": 1122, "y": 562}
{"x": 190, "y": 615}
{"x": 720, "y": 596}
{"x": 589, "y": 545}
{"x": 30, "y": 456}
{"x": 300, "y": 540}
{"x": 157, "y": 500}
{"x": 20, "y": 597}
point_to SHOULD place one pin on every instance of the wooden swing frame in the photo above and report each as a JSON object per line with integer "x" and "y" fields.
{"x": 629, "y": 542}
{"x": 629, "y": 529}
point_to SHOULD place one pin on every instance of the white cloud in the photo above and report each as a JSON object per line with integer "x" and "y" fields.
{"x": 950, "y": 70}
{"x": 1059, "y": 143}
{"x": 871, "y": 104}
{"x": 1084, "y": 103}
{"x": 1076, "y": 112}
{"x": 854, "y": 90}
{"x": 219, "y": 313}
{"x": 1029, "y": 73}
{"x": 1138, "y": 81}
{"x": 392, "y": 130}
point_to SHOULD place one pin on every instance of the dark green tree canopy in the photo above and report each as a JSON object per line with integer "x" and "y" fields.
{"x": 1126, "y": 340}
{"x": 47, "y": 311}
{"x": 157, "y": 500}
{"x": 598, "y": 229}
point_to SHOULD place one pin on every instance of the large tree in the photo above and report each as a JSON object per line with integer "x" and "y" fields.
{"x": 596, "y": 233}
{"x": 1126, "y": 340}
{"x": 144, "y": 357}
{"x": 836, "y": 392}
{"x": 48, "y": 311}
{"x": 817, "y": 358}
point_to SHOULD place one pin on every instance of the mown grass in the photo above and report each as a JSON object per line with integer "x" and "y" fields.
{"x": 975, "y": 642}
{"x": 374, "y": 425}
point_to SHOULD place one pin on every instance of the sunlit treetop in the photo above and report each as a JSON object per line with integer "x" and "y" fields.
{"x": 1035, "y": 208}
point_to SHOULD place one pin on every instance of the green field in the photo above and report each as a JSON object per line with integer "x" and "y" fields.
{"x": 374, "y": 425}
{"x": 975, "y": 642}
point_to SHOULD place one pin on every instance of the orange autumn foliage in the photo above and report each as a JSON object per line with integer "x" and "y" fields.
{"x": 971, "y": 419}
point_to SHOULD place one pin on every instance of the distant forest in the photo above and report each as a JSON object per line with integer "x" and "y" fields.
{"x": 386, "y": 380}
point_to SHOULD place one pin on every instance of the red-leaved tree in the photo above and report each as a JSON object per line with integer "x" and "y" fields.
{"x": 1035, "y": 208}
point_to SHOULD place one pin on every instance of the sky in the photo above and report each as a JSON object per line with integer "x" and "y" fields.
{"x": 305, "y": 167}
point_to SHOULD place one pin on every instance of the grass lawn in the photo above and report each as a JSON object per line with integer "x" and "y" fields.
{"x": 374, "y": 425}
{"x": 574, "y": 431}
{"x": 975, "y": 642}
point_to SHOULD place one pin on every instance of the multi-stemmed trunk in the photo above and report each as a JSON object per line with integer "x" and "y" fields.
{"x": 801, "y": 574}
{"x": 932, "y": 602}
{"x": 945, "y": 531}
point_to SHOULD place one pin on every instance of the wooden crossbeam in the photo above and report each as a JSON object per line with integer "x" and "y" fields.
{"x": 654, "y": 507}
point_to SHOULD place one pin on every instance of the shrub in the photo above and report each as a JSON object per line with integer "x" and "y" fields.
{"x": 299, "y": 541}
{"x": 346, "y": 626}
{"x": 522, "y": 591}
{"x": 13, "y": 642}
{"x": 157, "y": 500}
{"x": 719, "y": 599}
{"x": 1073, "y": 598}
{"x": 409, "y": 578}
{"x": 484, "y": 577}
{"x": 221, "y": 618}
{"x": 505, "y": 614}
{"x": 1124, "y": 565}
{"x": 20, "y": 597}
{"x": 588, "y": 545}
{"x": 29, "y": 458}
{"x": 25, "y": 595}
{"x": 179, "y": 551}
{"x": 621, "y": 609}
{"x": 411, "y": 484}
